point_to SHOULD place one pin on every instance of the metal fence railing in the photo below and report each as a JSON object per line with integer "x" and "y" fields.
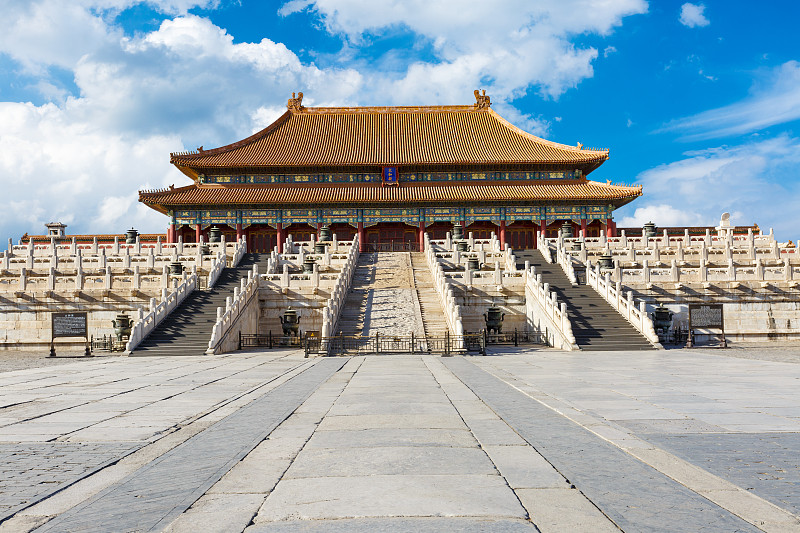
{"x": 394, "y": 246}
{"x": 390, "y": 344}
{"x": 268, "y": 340}
{"x": 514, "y": 338}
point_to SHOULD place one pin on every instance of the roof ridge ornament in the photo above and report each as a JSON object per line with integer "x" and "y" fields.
{"x": 295, "y": 102}
{"x": 482, "y": 101}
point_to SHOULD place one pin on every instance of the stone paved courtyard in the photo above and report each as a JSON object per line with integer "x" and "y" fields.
{"x": 672, "y": 440}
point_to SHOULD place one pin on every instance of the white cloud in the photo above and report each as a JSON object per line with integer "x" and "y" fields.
{"x": 506, "y": 47}
{"x": 608, "y": 50}
{"x": 692, "y": 15}
{"x": 749, "y": 181}
{"x": 44, "y": 33}
{"x": 185, "y": 84}
{"x": 776, "y": 100}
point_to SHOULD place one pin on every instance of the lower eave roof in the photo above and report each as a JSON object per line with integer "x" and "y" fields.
{"x": 283, "y": 195}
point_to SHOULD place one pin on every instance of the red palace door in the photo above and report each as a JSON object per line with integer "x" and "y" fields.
{"x": 262, "y": 241}
{"x": 392, "y": 238}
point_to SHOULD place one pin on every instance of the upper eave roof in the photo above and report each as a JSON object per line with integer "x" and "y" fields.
{"x": 287, "y": 195}
{"x": 387, "y": 136}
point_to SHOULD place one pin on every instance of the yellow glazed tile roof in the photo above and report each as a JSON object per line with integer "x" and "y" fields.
{"x": 388, "y": 136}
{"x": 283, "y": 195}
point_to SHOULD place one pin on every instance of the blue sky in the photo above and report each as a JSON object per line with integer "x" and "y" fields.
{"x": 698, "y": 102}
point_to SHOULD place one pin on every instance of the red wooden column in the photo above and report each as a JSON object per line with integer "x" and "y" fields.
{"x": 613, "y": 228}
{"x": 361, "y": 244}
{"x": 197, "y": 233}
{"x": 171, "y": 233}
{"x": 609, "y": 227}
{"x": 583, "y": 227}
{"x": 544, "y": 230}
{"x": 238, "y": 232}
{"x": 502, "y": 234}
{"x": 421, "y": 235}
{"x": 281, "y": 237}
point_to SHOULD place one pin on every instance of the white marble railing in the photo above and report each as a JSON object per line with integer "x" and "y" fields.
{"x": 779, "y": 272}
{"x": 333, "y": 307}
{"x": 451, "y": 309}
{"x": 216, "y": 269}
{"x": 132, "y": 279}
{"x": 146, "y": 323}
{"x": 546, "y": 314}
{"x": 564, "y": 260}
{"x": 239, "y": 249}
{"x": 633, "y": 312}
{"x": 243, "y": 296}
{"x": 116, "y": 248}
{"x": 631, "y": 248}
{"x": 543, "y": 245}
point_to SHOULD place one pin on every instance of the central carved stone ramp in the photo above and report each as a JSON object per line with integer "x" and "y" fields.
{"x": 595, "y": 324}
{"x": 187, "y": 330}
{"x": 433, "y": 318}
{"x": 382, "y": 299}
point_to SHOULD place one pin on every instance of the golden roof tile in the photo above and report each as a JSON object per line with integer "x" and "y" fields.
{"x": 387, "y": 136}
{"x": 285, "y": 195}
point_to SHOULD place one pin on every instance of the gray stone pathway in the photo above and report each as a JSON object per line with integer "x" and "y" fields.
{"x": 552, "y": 441}
{"x": 634, "y": 495}
{"x": 30, "y": 472}
{"x": 152, "y": 497}
{"x": 767, "y": 464}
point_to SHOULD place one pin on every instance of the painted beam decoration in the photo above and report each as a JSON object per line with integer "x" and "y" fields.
{"x": 411, "y": 215}
{"x": 392, "y": 175}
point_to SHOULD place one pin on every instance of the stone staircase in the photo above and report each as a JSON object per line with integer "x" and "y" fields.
{"x": 352, "y": 318}
{"x": 382, "y": 298}
{"x": 595, "y": 324}
{"x": 433, "y": 318}
{"x": 187, "y": 330}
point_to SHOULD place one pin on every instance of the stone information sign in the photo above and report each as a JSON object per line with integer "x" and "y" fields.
{"x": 70, "y": 325}
{"x": 705, "y": 316}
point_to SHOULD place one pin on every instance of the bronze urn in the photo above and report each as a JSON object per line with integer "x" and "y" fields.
{"x": 606, "y": 261}
{"x": 566, "y": 230}
{"x": 215, "y": 234}
{"x": 290, "y": 323}
{"x": 462, "y": 246}
{"x": 494, "y": 320}
{"x": 458, "y": 232}
{"x": 122, "y": 326}
{"x": 319, "y": 247}
{"x": 176, "y": 268}
{"x": 325, "y": 233}
{"x": 649, "y": 230}
{"x": 473, "y": 264}
{"x": 662, "y": 319}
{"x": 308, "y": 265}
{"x": 130, "y": 236}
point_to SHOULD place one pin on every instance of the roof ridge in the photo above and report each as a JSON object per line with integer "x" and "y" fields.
{"x": 519, "y": 130}
{"x": 356, "y": 110}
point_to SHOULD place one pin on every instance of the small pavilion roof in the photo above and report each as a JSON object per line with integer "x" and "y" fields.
{"x": 287, "y": 195}
{"x": 387, "y": 136}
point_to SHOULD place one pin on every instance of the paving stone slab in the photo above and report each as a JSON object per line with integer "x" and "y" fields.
{"x": 766, "y": 464}
{"x": 152, "y": 497}
{"x": 392, "y": 525}
{"x": 407, "y": 460}
{"x": 63, "y": 464}
{"x": 400, "y": 495}
{"x": 333, "y": 423}
{"x": 634, "y": 495}
{"x": 524, "y": 468}
{"x": 557, "y": 510}
{"x": 366, "y": 438}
